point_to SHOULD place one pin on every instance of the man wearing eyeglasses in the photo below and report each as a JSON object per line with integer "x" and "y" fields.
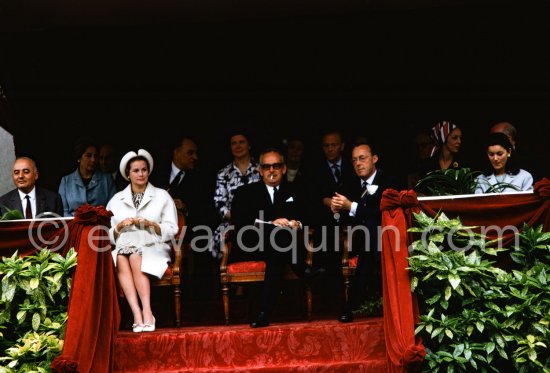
{"x": 359, "y": 204}
{"x": 267, "y": 215}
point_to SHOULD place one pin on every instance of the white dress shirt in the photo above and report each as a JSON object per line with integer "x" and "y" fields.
{"x": 174, "y": 172}
{"x": 32, "y": 200}
{"x": 271, "y": 191}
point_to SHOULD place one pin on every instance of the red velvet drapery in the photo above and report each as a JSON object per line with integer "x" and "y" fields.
{"x": 94, "y": 315}
{"x": 404, "y": 351}
{"x": 27, "y": 236}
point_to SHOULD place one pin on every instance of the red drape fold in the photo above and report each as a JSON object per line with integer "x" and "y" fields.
{"x": 27, "y": 236}
{"x": 404, "y": 351}
{"x": 94, "y": 315}
{"x": 497, "y": 210}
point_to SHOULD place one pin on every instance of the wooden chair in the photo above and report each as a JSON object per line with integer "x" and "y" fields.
{"x": 254, "y": 271}
{"x": 349, "y": 264}
{"x": 172, "y": 276}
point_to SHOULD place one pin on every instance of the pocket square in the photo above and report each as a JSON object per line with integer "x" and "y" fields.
{"x": 371, "y": 189}
{"x": 290, "y": 199}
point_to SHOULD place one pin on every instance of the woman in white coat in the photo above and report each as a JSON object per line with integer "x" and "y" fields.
{"x": 144, "y": 221}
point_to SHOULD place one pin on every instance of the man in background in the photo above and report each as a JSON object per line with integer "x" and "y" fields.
{"x": 192, "y": 195}
{"x": 108, "y": 163}
{"x": 30, "y": 200}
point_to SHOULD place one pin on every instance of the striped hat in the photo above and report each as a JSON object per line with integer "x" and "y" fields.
{"x": 439, "y": 134}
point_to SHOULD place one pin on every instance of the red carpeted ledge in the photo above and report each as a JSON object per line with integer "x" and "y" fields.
{"x": 320, "y": 346}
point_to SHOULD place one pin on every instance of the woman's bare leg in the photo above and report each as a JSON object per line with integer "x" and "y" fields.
{"x": 126, "y": 280}
{"x": 143, "y": 287}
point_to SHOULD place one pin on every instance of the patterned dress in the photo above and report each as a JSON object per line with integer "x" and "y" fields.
{"x": 136, "y": 199}
{"x": 228, "y": 180}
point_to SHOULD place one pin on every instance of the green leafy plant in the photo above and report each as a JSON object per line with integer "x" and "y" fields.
{"x": 457, "y": 181}
{"x": 11, "y": 214}
{"x": 33, "y": 309}
{"x": 371, "y": 307}
{"x": 498, "y": 187}
{"x": 448, "y": 182}
{"x": 474, "y": 315}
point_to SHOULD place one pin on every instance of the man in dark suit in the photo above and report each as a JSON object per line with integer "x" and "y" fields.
{"x": 359, "y": 204}
{"x": 185, "y": 184}
{"x": 192, "y": 195}
{"x": 32, "y": 201}
{"x": 332, "y": 175}
{"x": 267, "y": 216}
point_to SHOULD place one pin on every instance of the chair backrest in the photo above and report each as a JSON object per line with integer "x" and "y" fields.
{"x": 172, "y": 276}
{"x": 178, "y": 239}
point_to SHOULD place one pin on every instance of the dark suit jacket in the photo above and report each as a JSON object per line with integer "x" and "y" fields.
{"x": 251, "y": 202}
{"x": 367, "y": 215}
{"x": 46, "y": 202}
{"x": 196, "y": 193}
{"x": 323, "y": 185}
{"x": 368, "y": 208}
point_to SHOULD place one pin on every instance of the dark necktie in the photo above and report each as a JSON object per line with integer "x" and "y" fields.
{"x": 336, "y": 172}
{"x": 175, "y": 182}
{"x": 28, "y": 210}
{"x": 275, "y": 194}
{"x": 364, "y": 188}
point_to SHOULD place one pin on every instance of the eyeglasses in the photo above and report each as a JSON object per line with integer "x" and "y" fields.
{"x": 361, "y": 158}
{"x": 267, "y": 166}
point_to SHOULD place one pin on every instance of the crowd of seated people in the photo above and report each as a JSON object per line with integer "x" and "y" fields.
{"x": 345, "y": 185}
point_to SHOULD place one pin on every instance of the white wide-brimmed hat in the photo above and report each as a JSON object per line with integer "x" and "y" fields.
{"x": 124, "y": 161}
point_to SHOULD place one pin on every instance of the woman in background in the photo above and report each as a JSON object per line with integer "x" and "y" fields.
{"x": 86, "y": 184}
{"x": 243, "y": 170}
{"x": 502, "y": 173}
{"x": 447, "y": 138}
{"x": 144, "y": 221}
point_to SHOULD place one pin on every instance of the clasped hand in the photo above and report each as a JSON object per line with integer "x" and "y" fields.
{"x": 137, "y": 221}
{"x": 284, "y": 222}
{"x": 339, "y": 202}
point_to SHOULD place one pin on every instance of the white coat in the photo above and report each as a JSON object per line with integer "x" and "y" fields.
{"x": 156, "y": 206}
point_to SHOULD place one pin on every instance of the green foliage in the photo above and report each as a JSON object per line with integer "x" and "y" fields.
{"x": 475, "y": 316}
{"x": 448, "y": 182}
{"x": 11, "y": 215}
{"x": 456, "y": 181}
{"x": 33, "y": 309}
{"x": 371, "y": 307}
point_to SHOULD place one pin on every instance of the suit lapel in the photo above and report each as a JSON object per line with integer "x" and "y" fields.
{"x": 15, "y": 202}
{"x": 127, "y": 196}
{"x": 283, "y": 194}
{"x": 266, "y": 197}
{"x": 147, "y": 197}
{"x": 40, "y": 202}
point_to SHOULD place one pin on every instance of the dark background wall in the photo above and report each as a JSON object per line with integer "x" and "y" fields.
{"x": 383, "y": 73}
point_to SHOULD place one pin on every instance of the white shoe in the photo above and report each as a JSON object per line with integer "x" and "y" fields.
{"x": 137, "y": 328}
{"x": 149, "y": 327}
